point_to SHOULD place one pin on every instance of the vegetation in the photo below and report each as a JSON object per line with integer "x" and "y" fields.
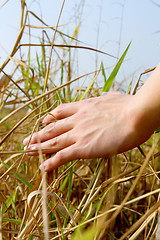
{"x": 113, "y": 198}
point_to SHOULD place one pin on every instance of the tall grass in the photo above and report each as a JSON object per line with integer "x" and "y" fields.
{"x": 114, "y": 198}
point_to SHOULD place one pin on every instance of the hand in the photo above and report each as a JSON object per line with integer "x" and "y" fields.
{"x": 92, "y": 128}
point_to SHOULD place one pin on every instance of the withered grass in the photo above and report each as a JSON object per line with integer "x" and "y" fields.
{"x": 113, "y": 198}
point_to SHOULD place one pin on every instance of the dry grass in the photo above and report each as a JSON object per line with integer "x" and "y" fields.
{"x": 115, "y": 198}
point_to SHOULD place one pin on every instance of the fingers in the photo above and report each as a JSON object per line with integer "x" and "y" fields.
{"x": 62, "y": 111}
{"x": 66, "y": 155}
{"x": 53, "y": 145}
{"x": 50, "y": 131}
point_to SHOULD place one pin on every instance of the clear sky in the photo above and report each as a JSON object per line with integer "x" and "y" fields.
{"x": 104, "y": 24}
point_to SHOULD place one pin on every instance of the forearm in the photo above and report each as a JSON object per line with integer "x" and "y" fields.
{"x": 148, "y": 101}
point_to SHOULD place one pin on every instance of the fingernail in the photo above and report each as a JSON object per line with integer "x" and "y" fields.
{"x": 28, "y": 148}
{"x": 42, "y": 167}
{"x": 25, "y": 148}
{"x": 25, "y": 141}
{"x": 44, "y": 119}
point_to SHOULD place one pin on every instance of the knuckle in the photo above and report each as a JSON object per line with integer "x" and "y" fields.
{"x": 60, "y": 108}
{"x": 54, "y": 142}
{"x": 89, "y": 100}
{"x": 48, "y": 130}
{"x": 81, "y": 143}
{"x": 34, "y": 137}
{"x": 60, "y": 156}
{"x": 82, "y": 114}
{"x": 76, "y": 150}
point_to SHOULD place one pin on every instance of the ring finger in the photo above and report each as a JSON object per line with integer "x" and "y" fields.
{"x": 50, "y": 131}
{"x": 52, "y": 145}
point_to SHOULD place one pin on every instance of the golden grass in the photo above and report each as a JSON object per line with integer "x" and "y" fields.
{"x": 115, "y": 198}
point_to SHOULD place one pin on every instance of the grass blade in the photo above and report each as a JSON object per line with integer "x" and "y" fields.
{"x": 103, "y": 72}
{"x": 113, "y": 74}
{"x": 101, "y": 200}
{"x": 8, "y": 202}
{"x": 90, "y": 86}
{"x": 18, "y": 176}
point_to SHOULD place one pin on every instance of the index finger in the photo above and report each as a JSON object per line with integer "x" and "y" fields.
{"x": 62, "y": 111}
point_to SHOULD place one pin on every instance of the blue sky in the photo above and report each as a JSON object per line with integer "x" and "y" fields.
{"x": 124, "y": 20}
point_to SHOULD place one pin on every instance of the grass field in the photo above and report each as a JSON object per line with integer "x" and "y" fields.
{"x": 112, "y": 198}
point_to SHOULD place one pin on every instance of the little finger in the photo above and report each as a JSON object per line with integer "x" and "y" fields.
{"x": 62, "y": 157}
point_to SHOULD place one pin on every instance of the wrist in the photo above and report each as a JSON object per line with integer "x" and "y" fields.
{"x": 148, "y": 100}
{"x": 145, "y": 120}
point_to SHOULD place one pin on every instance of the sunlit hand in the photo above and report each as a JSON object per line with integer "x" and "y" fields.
{"x": 92, "y": 128}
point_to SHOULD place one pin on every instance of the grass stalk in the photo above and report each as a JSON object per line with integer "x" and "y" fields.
{"x": 68, "y": 203}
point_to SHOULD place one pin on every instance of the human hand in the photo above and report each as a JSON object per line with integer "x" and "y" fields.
{"x": 92, "y": 128}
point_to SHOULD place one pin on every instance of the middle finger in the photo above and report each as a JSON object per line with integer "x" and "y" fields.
{"x": 50, "y": 131}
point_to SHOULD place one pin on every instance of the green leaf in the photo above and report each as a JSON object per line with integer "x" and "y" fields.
{"x": 70, "y": 185}
{"x": 38, "y": 63}
{"x": 103, "y": 72}
{"x": 62, "y": 77}
{"x": 101, "y": 201}
{"x": 18, "y": 176}
{"x": 79, "y": 91}
{"x": 90, "y": 86}
{"x": 75, "y": 33}
{"x": 129, "y": 87}
{"x": 88, "y": 234}
{"x": 158, "y": 130}
{"x": 12, "y": 220}
{"x": 64, "y": 183}
{"x": 8, "y": 202}
{"x": 113, "y": 74}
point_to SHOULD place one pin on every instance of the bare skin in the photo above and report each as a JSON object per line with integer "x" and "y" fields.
{"x": 99, "y": 127}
